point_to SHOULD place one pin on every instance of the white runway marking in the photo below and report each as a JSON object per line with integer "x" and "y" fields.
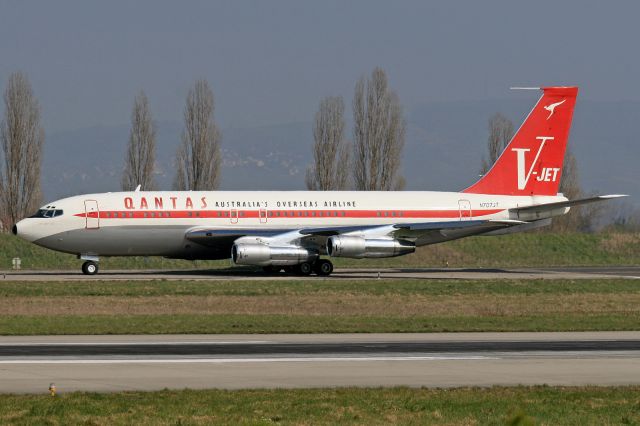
{"x": 240, "y": 360}
{"x": 150, "y": 343}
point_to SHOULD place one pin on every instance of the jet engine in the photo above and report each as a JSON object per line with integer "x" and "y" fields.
{"x": 358, "y": 247}
{"x": 264, "y": 255}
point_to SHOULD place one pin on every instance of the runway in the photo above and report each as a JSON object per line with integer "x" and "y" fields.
{"x": 115, "y": 363}
{"x": 632, "y": 272}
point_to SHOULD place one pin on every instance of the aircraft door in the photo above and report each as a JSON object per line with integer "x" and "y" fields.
{"x": 465, "y": 209}
{"x": 233, "y": 214}
{"x": 92, "y": 214}
{"x": 263, "y": 215}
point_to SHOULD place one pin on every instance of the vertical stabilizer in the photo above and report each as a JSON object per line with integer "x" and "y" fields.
{"x": 531, "y": 164}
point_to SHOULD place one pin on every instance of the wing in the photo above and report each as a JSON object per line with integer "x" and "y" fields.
{"x": 436, "y": 232}
{"x": 419, "y": 233}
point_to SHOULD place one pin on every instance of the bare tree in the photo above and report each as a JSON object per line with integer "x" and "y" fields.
{"x": 569, "y": 181}
{"x": 22, "y": 137}
{"x": 140, "y": 159}
{"x": 500, "y": 134}
{"x": 379, "y": 130}
{"x": 581, "y": 218}
{"x": 330, "y": 149}
{"x": 198, "y": 158}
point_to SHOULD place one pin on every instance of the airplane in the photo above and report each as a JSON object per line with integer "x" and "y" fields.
{"x": 294, "y": 230}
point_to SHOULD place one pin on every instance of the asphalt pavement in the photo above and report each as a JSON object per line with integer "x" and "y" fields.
{"x": 632, "y": 272}
{"x": 116, "y": 363}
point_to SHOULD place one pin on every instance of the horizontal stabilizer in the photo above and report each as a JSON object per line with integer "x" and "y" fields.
{"x": 540, "y": 208}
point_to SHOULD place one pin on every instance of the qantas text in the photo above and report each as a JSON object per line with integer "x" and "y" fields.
{"x": 188, "y": 203}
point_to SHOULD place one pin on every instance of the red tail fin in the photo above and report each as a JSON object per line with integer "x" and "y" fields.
{"x": 532, "y": 162}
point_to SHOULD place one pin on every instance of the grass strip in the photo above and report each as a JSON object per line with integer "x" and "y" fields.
{"x": 92, "y": 287}
{"x": 491, "y": 406}
{"x": 262, "y": 324}
{"x": 527, "y": 249}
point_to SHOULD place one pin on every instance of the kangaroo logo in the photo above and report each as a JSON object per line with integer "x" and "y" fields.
{"x": 547, "y": 174}
{"x": 552, "y": 107}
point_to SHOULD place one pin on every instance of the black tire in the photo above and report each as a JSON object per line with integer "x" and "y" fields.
{"x": 90, "y": 268}
{"x": 304, "y": 268}
{"x": 323, "y": 267}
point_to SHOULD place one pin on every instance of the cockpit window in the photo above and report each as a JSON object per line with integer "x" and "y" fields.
{"x": 48, "y": 213}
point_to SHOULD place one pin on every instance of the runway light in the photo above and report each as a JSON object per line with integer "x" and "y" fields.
{"x": 52, "y": 389}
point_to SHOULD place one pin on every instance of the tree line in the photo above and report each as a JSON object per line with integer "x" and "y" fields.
{"x": 372, "y": 161}
{"x": 369, "y": 161}
{"x": 198, "y": 157}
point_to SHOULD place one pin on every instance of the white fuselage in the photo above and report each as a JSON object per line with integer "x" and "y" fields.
{"x": 155, "y": 223}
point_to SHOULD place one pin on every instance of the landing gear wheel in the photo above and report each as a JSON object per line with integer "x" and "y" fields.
{"x": 271, "y": 269}
{"x": 323, "y": 267}
{"x": 304, "y": 268}
{"x": 89, "y": 268}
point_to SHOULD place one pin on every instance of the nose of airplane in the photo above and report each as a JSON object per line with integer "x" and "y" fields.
{"x": 26, "y": 230}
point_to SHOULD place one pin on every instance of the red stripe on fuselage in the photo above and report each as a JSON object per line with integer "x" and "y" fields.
{"x": 282, "y": 214}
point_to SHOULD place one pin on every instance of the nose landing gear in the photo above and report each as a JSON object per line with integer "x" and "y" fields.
{"x": 89, "y": 268}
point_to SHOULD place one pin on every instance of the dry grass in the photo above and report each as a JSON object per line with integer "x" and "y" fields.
{"x": 620, "y": 243}
{"x": 341, "y": 304}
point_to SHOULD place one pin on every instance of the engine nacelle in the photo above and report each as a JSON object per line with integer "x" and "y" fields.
{"x": 264, "y": 255}
{"x": 359, "y": 248}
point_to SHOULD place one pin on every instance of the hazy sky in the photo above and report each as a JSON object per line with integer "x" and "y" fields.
{"x": 271, "y": 61}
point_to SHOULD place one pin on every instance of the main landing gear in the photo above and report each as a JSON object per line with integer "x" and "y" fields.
{"x": 321, "y": 267}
